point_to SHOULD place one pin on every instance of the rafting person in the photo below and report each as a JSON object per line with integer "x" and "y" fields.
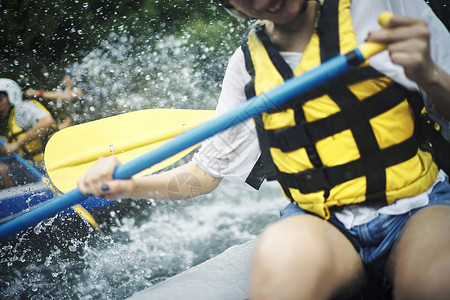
{"x": 369, "y": 207}
{"x": 30, "y": 125}
{"x": 59, "y": 99}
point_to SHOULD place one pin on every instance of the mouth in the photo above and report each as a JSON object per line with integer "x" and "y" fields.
{"x": 275, "y": 6}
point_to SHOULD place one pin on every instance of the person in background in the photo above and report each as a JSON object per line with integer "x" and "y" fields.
{"x": 69, "y": 93}
{"x": 29, "y": 127}
{"x": 368, "y": 205}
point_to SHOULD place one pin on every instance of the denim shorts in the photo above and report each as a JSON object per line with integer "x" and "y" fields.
{"x": 375, "y": 239}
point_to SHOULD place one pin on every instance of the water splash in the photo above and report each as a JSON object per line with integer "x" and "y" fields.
{"x": 127, "y": 74}
{"x": 141, "y": 244}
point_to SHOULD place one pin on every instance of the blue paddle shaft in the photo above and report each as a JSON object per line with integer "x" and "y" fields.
{"x": 251, "y": 108}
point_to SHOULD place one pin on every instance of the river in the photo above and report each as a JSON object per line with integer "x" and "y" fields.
{"x": 141, "y": 242}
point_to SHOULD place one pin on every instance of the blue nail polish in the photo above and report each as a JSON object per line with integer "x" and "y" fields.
{"x": 105, "y": 187}
{"x": 89, "y": 194}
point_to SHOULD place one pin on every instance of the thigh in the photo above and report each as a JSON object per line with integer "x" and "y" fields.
{"x": 419, "y": 264}
{"x": 305, "y": 257}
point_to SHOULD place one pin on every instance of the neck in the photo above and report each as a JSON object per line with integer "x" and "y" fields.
{"x": 294, "y": 36}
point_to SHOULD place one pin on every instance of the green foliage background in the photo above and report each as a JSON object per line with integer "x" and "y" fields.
{"x": 43, "y": 36}
{"x": 40, "y": 37}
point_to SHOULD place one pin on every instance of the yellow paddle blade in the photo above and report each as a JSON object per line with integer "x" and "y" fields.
{"x": 82, "y": 212}
{"x": 72, "y": 151}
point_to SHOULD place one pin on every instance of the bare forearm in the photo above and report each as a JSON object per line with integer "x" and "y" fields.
{"x": 39, "y": 129}
{"x": 65, "y": 96}
{"x": 408, "y": 42}
{"x": 184, "y": 182}
{"x": 437, "y": 87}
{"x": 68, "y": 95}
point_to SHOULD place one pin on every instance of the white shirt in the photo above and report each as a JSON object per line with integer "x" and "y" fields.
{"x": 28, "y": 114}
{"x": 233, "y": 153}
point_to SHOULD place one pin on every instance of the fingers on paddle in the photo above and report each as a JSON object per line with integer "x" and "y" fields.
{"x": 99, "y": 179}
{"x": 407, "y": 40}
{"x": 400, "y": 28}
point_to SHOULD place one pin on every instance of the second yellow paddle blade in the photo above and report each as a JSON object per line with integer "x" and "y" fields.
{"x": 72, "y": 151}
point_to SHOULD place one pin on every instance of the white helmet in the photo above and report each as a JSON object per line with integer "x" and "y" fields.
{"x": 12, "y": 89}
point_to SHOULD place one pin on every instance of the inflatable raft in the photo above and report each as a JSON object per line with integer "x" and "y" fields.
{"x": 223, "y": 277}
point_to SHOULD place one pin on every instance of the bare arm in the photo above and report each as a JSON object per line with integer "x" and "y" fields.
{"x": 67, "y": 95}
{"x": 183, "y": 182}
{"x": 408, "y": 41}
{"x": 39, "y": 129}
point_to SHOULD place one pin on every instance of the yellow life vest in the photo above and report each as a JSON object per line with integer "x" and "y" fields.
{"x": 347, "y": 141}
{"x": 34, "y": 149}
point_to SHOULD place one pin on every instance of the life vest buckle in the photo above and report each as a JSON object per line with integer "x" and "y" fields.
{"x": 313, "y": 180}
{"x": 292, "y": 138}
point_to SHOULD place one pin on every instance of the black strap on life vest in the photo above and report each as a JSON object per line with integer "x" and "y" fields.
{"x": 292, "y": 138}
{"x": 285, "y": 71}
{"x": 328, "y": 30}
{"x": 325, "y": 178}
{"x": 266, "y": 162}
{"x": 371, "y": 162}
{"x": 256, "y": 176}
{"x": 354, "y": 115}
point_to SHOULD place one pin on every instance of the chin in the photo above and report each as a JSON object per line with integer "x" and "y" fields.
{"x": 288, "y": 15}
{"x": 284, "y": 19}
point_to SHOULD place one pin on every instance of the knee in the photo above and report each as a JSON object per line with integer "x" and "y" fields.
{"x": 284, "y": 265}
{"x": 420, "y": 262}
{"x": 286, "y": 254}
{"x": 279, "y": 245}
{"x": 295, "y": 257}
{"x": 424, "y": 282}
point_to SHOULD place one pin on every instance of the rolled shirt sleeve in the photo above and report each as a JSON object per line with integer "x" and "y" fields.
{"x": 233, "y": 153}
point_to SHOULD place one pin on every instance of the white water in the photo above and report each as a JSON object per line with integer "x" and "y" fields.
{"x": 176, "y": 237}
{"x": 137, "y": 249}
{"x": 126, "y": 74}
{"x": 140, "y": 243}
